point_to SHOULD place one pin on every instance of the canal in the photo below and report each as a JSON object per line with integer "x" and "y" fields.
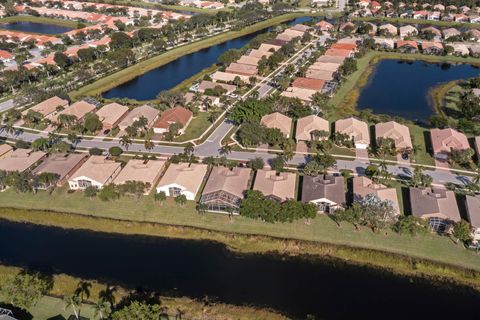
{"x": 35, "y": 27}
{"x": 148, "y": 85}
{"x": 400, "y": 88}
{"x": 295, "y": 286}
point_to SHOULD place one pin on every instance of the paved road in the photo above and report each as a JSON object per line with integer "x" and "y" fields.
{"x": 6, "y": 105}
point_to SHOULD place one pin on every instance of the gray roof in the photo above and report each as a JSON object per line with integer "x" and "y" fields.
{"x": 473, "y": 210}
{"x": 61, "y": 164}
{"x": 434, "y": 202}
{"x": 330, "y": 187}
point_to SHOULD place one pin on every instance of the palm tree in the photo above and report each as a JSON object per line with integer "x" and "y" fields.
{"x": 53, "y": 138}
{"x": 148, "y": 144}
{"x": 225, "y": 150}
{"x": 8, "y": 128}
{"x": 189, "y": 148}
{"x": 73, "y": 138}
{"x": 73, "y": 301}
{"x": 102, "y": 309}
{"x": 83, "y": 289}
{"x": 125, "y": 141}
{"x": 202, "y": 208}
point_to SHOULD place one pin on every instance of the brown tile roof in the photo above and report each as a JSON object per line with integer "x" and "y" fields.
{"x": 409, "y": 43}
{"x": 243, "y": 69}
{"x": 249, "y": 60}
{"x": 434, "y": 202}
{"x": 276, "y": 42}
{"x": 300, "y": 93}
{"x": 233, "y": 181}
{"x": 446, "y": 140}
{"x": 431, "y": 45}
{"x": 331, "y": 59}
{"x": 112, "y": 113}
{"x": 473, "y": 210}
{"x": 396, "y": 131}
{"x": 324, "y": 25}
{"x": 279, "y": 121}
{"x": 279, "y": 186}
{"x": 97, "y": 168}
{"x": 189, "y": 176}
{"x": 48, "y": 106}
{"x": 338, "y": 52}
{"x": 307, "y": 83}
{"x": 20, "y": 160}
{"x": 269, "y": 47}
{"x": 259, "y": 54}
{"x": 307, "y": 124}
{"x": 330, "y": 187}
{"x": 211, "y": 85}
{"x": 320, "y": 75}
{"x": 355, "y": 128}
{"x": 145, "y": 111}
{"x": 174, "y": 115}
{"x": 325, "y": 66}
{"x": 61, "y": 164}
{"x": 363, "y": 186}
{"x": 344, "y": 46}
{"x": 78, "y": 109}
{"x": 4, "y": 149}
{"x": 140, "y": 170}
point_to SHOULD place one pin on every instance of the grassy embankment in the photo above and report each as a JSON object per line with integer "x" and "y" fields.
{"x": 140, "y": 68}
{"x": 321, "y": 237}
{"x": 166, "y": 7}
{"x": 52, "y": 305}
{"x": 445, "y": 24}
{"x": 58, "y": 22}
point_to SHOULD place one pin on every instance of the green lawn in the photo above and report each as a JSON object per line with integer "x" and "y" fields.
{"x": 197, "y": 126}
{"x": 321, "y": 229}
{"x": 58, "y": 22}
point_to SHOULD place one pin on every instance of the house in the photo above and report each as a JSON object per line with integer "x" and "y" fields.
{"x": 303, "y": 94}
{"x": 259, "y": 54}
{"x": 474, "y": 18}
{"x": 269, "y": 47}
{"x": 434, "y": 16}
{"x": 309, "y": 124}
{"x": 324, "y": 25}
{"x": 460, "y": 17}
{"x": 225, "y": 188}
{"x": 363, "y": 186}
{"x": 347, "y": 27}
{"x": 325, "y": 66}
{"x": 183, "y": 179}
{"x": 279, "y": 121}
{"x": 62, "y": 164}
{"x": 432, "y": 47}
{"x": 474, "y": 50}
{"x": 355, "y": 129}
{"x": 446, "y": 140}
{"x": 388, "y": 30}
{"x": 173, "y": 115}
{"x": 300, "y": 27}
{"x": 307, "y": 83}
{"x": 111, "y": 114}
{"x": 5, "y": 150}
{"x": 407, "y": 46}
{"x": 352, "y": 46}
{"x": 472, "y": 205}
{"x": 79, "y": 109}
{"x": 97, "y": 172}
{"x": 20, "y": 160}
{"x": 439, "y": 7}
{"x": 327, "y": 193}
{"x": 248, "y": 60}
{"x": 332, "y": 59}
{"x": 474, "y": 35}
{"x": 205, "y": 85}
{"x": 242, "y": 69}
{"x": 320, "y": 75}
{"x": 144, "y": 111}
{"x": 227, "y": 77}
{"x": 339, "y": 53}
{"x": 399, "y": 133}
{"x": 146, "y": 171}
{"x": 278, "y": 186}
{"x": 384, "y": 43}
{"x": 5, "y": 56}
{"x": 421, "y": 14}
{"x": 436, "y": 205}
{"x": 436, "y": 32}
{"x": 459, "y": 49}
{"x": 408, "y": 31}
{"x": 49, "y": 106}
{"x": 450, "y": 32}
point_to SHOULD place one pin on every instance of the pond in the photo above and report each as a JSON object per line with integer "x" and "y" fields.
{"x": 295, "y": 286}
{"x": 148, "y": 85}
{"x": 400, "y": 88}
{"x": 35, "y": 27}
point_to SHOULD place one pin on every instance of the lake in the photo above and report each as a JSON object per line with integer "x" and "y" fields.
{"x": 400, "y": 88}
{"x": 148, "y": 85}
{"x": 295, "y": 286}
{"x": 35, "y": 27}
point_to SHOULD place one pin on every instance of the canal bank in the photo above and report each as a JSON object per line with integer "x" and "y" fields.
{"x": 41, "y": 20}
{"x": 114, "y": 80}
{"x": 294, "y": 286}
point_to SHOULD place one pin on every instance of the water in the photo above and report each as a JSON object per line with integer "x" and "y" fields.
{"x": 148, "y": 85}
{"x": 35, "y": 27}
{"x": 293, "y": 286}
{"x": 400, "y": 88}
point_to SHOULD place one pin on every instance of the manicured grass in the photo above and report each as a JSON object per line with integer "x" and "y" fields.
{"x": 419, "y": 135}
{"x": 321, "y": 229}
{"x": 58, "y": 22}
{"x": 445, "y": 24}
{"x": 197, "y": 126}
{"x": 140, "y": 68}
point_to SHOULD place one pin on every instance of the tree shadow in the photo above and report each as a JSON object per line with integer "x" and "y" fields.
{"x": 407, "y": 207}
{"x": 57, "y": 317}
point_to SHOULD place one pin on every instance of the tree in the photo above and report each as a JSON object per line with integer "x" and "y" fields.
{"x": 461, "y": 157}
{"x": 73, "y": 302}
{"x": 160, "y": 197}
{"x": 95, "y": 151}
{"x": 419, "y": 179}
{"x": 325, "y": 161}
{"x": 102, "y": 309}
{"x": 410, "y": 225}
{"x": 90, "y": 192}
{"x": 41, "y": 144}
{"x": 348, "y": 67}
{"x": 351, "y": 215}
{"x": 189, "y": 148}
{"x": 108, "y": 192}
{"x": 462, "y": 232}
{"x": 134, "y": 188}
{"x": 125, "y": 141}
{"x": 61, "y": 60}
{"x": 225, "y": 150}
{"x": 92, "y": 123}
{"x": 115, "y": 151}
{"x": 138, "y": 310}
{"x": 278, "y": 163}
{"x": 376, "y": 213}
{"x": 180, "y": 199}
{"x": 26, "y": 289}
{"x": 256, "y": 163}
{"x": 48, "y": 180}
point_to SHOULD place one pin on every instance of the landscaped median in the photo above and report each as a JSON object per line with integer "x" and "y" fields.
{"x": 140, "y": 68}
{"x": 322, "y": 237}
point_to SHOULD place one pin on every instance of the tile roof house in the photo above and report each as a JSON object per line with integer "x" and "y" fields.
{"x": 225, "y": 189}
{"x": 459, "y": 49}
{"x": 327, "y": 193}
{"x": 307, "y": 83}
{"x": 278, "y": 121}
{"x": 144, "y": 111}
{"x": 248, "y": 60}
{"x": 325, "y": 66}
{"x": 398, "y": 132}
{"x": 363, "y": 186}
{"x": 63, "y": 164}
{"x": 5, "y": 56}
{"x": 269, "y": 47}
{"x": 407, "y": 46}
{"x": 308, "y": 124}
{"x": 433, "y": 30}
{"x": 111, "y": 114}
{"x": 173, "y": 115}
{"x": 242, "y": 69}
{"x": 259, "y": 54}
{"x": 320, "y": 75}
{"x": 183, "y": 179}
{"x": 79, "y": 109}
{"x": 97, "y": 171}
{"x": 5, "y": 150}
{"x": 474, "y": 35}
{"x": 227, "y": 77}
{"x": 147, "y": 172}
{"x": 324, "y": 25}
{"x": 472, "y": 204}
{"x": 407, "y": 31}
{"x": 384, "y": 43}
{"x": 20, "y": 160}
{"x": 277, "y": 186}
{"x": 437, "y": 205}
{"x": 204, "y": 85}
{"x": 48, "y": 106}
{"x": 339, "y": 53}
{"x": 450, "y": 32}
{"x": 446, "y": 140}
{"x": 356, "y": 129}
{"x": 432, "y": 47}
{"x": 301, "y": 93}
{"x": 388, "y": 30}
{"x": 332, "y": 59}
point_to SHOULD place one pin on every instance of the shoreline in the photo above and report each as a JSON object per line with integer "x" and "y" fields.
{"x": 394, "y": 262}
{"x": 44, "y": 20}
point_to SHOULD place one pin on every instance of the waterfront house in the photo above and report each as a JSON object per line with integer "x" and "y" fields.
{"x": 259, "y": 54}
{"x": 434, "y": 16}
{"x": 279, "y": 121}
{"x": 459, "y": 49}
{"x": 357, "y": 130}
{"x": 20, "y": 160}
{"x": 182, "y": 179}
{"x": 146, "y": 171}
{"x": 205, "y": 85}
{"x": 436, "y": 205}
{"x": 324, "y": 25}
{"x": 97, "y": 172}
{"x": 332, "y": 59}
{"x": 399, "y": 133}
{"x": 49, "y": 106}
{"x": 325, "y": 66}
{"x": 300, "y": 27}
{"x": 301, "y": 93}
{"x": 388, "y": 30}
{"x": 269, "y": 47}
{"x": 248, "y": 60}
{"x": 450, "y": 32}
{"x": 439, "y": 7}
{"x": 5, "y": 56}
{"x": 474, "y": 50}
{"x": 307, "y": 83}
{"x": 242, "y": 69}
{"x": 340, "y": 45}
{"x": 474, "y": 18}
{"x": 170, "y": 116}
{"x": 145, "y": 111}
{"x": 472, "y": 205}
{"x": 446, "y": 140}
{"x": 227, "y": 77}
{"x": 225, "y": 189}
{"x": 327, "y": 193}
{"x": 407, "y": 46}
{"x": 62, "y": 164}
{"x": 347, "y": 27}
{"x": 408, "y": 31}
{"x": 384, "y": 43}
{"x": 432, "y": 47}
{"x": 309, "y": 124}
{"x": 363, "y": 186}
{"x": 5, "y": 150}
{"x": 436, "y": 32}
{"x": 339, "y": 53}
{"x": 473, "y": 35}
{"x": 111, "y": 114}
{"x": 421, "y": 14}
{"x": 79, "y": 109}
{"x": 460, "y": 18}
{"x": 278, "y": 186}
{"x": 320, "y": 74}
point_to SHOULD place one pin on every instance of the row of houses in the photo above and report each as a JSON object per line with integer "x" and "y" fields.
{"x": 113, "y": 114}
{"x": 202, "y": 4}
{"x": 428, "y": 47}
